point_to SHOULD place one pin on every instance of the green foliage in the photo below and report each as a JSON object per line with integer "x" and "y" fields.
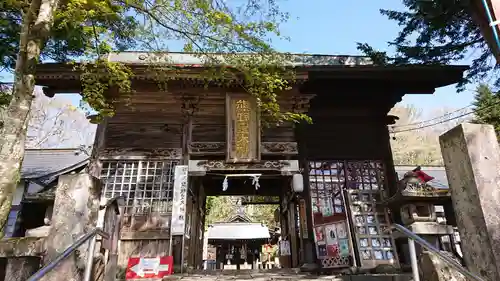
{"x": 209, "y": 203}
{"x": 5, "y": 96}
{"x": 90, "y": 29}
{"x": 99, "y": 79}
{"x": 263, "y": 75}
{"x": 208, "y": 28}
{"x": 487, "y": 107}
{"x": 77, "y": 25}
{"x": 222, "y": 208}
{"x": 10, "y": 26}
{"x": 218, "y": 209}
{"x": 437, "y": 32}
{"x": 262, "y": 213}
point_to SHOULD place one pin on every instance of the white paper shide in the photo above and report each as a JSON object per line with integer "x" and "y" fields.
{"x": 179, "y": 200}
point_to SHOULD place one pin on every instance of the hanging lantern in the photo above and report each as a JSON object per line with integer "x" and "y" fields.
{"x": 297, "y": 183}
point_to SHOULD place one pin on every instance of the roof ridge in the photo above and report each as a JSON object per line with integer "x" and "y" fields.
{"x": 241, "y": 53}
{"x": 50, "y": 149}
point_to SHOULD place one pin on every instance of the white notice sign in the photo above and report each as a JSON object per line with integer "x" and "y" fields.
{"x": 285, "y": 248}
{"x": 178, "y": 223}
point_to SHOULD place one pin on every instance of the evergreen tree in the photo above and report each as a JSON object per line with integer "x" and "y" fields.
{"x": 438, "y": 32}
{"x": 487, "y": 107}
{"x": 4, "y": 96}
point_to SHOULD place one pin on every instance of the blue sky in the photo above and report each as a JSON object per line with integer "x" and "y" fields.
{"x": 333, "y": 27}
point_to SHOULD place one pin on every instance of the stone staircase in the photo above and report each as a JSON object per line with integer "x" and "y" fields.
{"x": 281, "y": 275}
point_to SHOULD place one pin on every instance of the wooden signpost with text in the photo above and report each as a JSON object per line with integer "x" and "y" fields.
{"x": 243, "y": 129}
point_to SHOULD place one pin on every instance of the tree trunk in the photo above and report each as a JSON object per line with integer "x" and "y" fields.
{"x": 34, "y": 31}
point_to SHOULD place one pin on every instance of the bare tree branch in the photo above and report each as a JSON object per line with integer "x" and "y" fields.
{"x": 55, "y": 122}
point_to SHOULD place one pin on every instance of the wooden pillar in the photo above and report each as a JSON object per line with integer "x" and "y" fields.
{"x": 21, "y": 268}
{"x": 472, "y": 159}
{"x": 293, "y": 235}
{"x": 391, "y": 175}
{"x": 113, "y": 227}
{"x": 309, "y": 247}
{"x": 200, "y": 229}
{"x": 189, "y": 106}
{"x": 95, "y": 164}
{"x": 75, "y": 213}
{"x": 193, "y": 235}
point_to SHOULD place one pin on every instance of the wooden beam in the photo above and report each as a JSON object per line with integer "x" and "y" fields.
{"x": 258, "y": 200}
{"x": 267, "y": 148}
{"x": 133, "y": 153}
{"x": 163, "y": 118}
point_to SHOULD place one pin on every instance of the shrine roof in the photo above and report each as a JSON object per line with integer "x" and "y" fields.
{"x": 47, "y": 164}
{"x": 307, "y": 68}
{"x": 197, "y": 60}
{"x": 237, "y": 231}
{"x": 302, "y": 61}
{"x": 239, "y": 218}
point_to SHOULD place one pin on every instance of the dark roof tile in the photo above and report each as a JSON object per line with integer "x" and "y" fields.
{"x": 39, "y": 163}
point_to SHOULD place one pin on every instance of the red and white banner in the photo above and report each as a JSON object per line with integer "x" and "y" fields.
{"x": 149, "y": 268}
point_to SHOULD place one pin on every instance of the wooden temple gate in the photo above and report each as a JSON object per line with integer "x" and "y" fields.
{"x": 344, "y": 156}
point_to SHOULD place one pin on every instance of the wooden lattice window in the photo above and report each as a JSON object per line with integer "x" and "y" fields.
{"x": 146, "y": 186}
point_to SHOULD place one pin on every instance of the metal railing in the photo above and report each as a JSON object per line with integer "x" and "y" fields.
{"x": 412, "y": 238}
{"x": 90, "y": 255}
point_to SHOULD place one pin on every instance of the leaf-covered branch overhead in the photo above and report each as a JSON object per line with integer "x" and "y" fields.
{"x": 85, "y": 30}
{"x": 438, "y": 32}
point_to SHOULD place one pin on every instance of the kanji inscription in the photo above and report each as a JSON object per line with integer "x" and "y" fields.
{"x": 243, "y": 129}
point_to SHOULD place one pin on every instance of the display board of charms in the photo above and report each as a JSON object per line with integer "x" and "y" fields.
{"x": 365, "y": 180}
{"x": 331, "y": 226}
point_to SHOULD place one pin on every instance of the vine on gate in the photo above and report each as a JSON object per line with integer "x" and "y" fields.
{"x": 106, "y": 83}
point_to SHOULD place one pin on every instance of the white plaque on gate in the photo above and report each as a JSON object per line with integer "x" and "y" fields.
{"x": 284, "y": 247}
{"x": 179, "y": 197}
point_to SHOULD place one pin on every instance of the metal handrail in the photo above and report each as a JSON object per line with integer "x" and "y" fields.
{"x": 412, "y": 238}
{"x": 90, "y": 258}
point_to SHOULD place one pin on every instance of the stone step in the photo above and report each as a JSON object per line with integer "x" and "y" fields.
{"x": 271, "y": 275}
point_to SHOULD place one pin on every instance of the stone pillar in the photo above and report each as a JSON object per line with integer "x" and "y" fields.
{"x": 472, "y": 159}
{"x": 432, "y": 268}
{"x": 21, "y": 268}
{"x": 75, "y": 212}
